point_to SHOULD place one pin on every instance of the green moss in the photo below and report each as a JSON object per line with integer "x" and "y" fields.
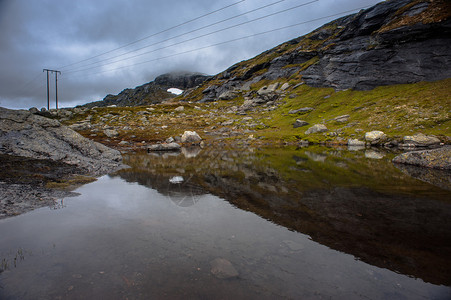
{"x": 69, "y": 183}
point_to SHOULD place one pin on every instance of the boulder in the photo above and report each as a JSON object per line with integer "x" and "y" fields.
{"x": 191, "y": 137}
{"x": 375, "y": 137}
{"x": 34, "y": 110}
{"x": 180, "y": 108}
{"x": 421, "y": 140}
{"x": 300, "y": 123}
{"x": 25, "y": 134}
{"x": 111, "y": 133}
{"x": 436, "y": 158}
{"x": 317, "y": 128}
{"x": 164, "y": 147}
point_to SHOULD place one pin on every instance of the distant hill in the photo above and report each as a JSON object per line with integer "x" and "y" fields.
{"x": 154, "y": 91}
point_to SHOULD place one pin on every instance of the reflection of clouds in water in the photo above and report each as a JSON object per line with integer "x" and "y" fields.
{"x": 118, "y": 194}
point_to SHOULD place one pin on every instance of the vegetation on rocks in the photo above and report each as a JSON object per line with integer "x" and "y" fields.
{"x": 398, "y": 111}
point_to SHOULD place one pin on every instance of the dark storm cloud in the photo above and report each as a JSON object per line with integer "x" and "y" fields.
{"x": 53, "y": 34}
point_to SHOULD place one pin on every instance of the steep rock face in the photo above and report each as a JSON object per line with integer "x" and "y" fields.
{"x": 25, "y": 134}
{"x": 393, "y": 42}
{"x": 365, "y": 55}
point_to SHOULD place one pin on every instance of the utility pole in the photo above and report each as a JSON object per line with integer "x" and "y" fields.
{"x": 56, "y": 86}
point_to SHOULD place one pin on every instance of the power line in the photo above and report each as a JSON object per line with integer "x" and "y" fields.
{"x": 155, "y": 34}
{"x": 192, "y": 39}
{"x": 180, "y": 35}
{"x": 56, "y": 86}
{"x": 233, "y": 40}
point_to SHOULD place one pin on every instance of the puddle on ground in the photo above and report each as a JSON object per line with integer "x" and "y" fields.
{"x": 309, "y": 223}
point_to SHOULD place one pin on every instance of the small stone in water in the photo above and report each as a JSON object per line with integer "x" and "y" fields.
{"x": 223, "y": 269}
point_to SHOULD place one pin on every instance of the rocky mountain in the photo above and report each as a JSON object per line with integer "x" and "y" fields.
{"x": 393, "y": 42}
{"x": 154, "y": 91}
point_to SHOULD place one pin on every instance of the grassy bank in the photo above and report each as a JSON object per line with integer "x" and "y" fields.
{"x": 397, "y": 110}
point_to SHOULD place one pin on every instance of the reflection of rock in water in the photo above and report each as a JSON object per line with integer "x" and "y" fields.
{"x": 440, "y": 178}
{"x": 191, "y": 152}
{"x": 379, "y": 218}
{"x": 183, "y": 193}
{"x": 318, "y": 157}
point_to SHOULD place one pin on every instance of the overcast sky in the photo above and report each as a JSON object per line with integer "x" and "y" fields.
{"x": 81, "y": 39}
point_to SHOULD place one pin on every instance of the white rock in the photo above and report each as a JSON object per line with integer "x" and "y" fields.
{"x": 191, "y": 137}
{"x": 285, "y": 86}
{"x": 375, "y": 136}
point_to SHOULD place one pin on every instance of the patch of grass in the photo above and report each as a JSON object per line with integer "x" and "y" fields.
{"x": 70, "y": 183}
{"x": 397, "y": 110}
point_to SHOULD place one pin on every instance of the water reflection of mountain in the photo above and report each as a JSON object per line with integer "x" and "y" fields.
{"x": 359, "y": 206}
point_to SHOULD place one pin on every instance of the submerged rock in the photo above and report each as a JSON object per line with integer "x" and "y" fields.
{"x": 436, "y": 158}
{"x": 223, "y": 269}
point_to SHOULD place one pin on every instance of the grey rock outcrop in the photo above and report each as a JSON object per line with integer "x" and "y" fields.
{"x": 436, "y": 158}
{"x": 366, "y": 53}
{"x": 25, "y": 134}
{"x": 421, "y": 140}
{"x": 393, "y": 42}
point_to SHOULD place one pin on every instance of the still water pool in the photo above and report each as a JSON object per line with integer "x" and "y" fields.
{"x": 237, "y": 224}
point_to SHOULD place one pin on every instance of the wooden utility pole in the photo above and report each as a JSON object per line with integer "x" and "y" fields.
{"x": 56, "y": 86}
